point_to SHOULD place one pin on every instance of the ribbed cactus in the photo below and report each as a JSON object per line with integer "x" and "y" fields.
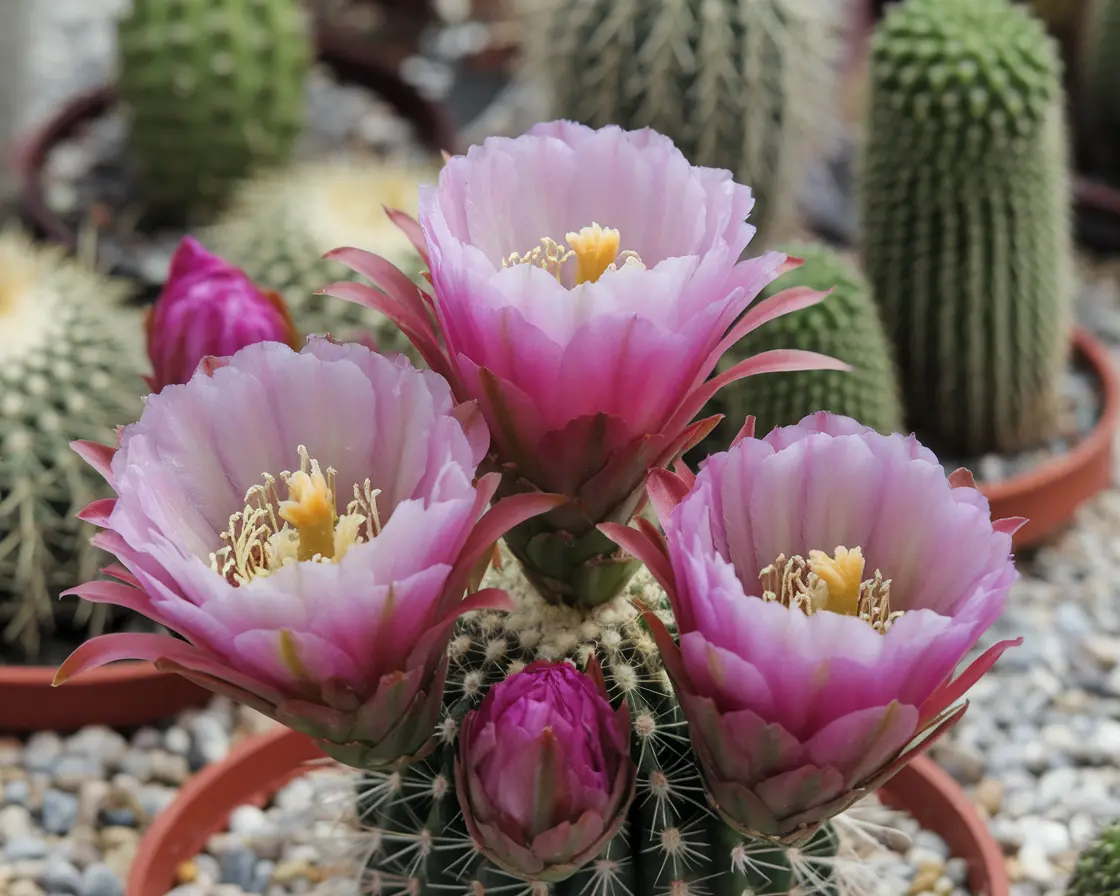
{"x": 70, "y": 368}
{"x": 1100, "y": 87}
{"x": 966, "y": 222}
{"x": 673, "y": 843}
{"x": 1098, "y": 868}
{"x": 745, "y": 86}
{"x": 280, "y": 224}
{"x": 845, "y": 326}
{"x": 215, "y": 90}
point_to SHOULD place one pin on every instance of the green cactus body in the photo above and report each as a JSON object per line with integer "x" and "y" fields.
{"x": 845, "y": 326}
{"x": 745, "y": 86}
{"x": 70, "y": 368}
{"x": 966, "y": 221}
{"x": 672, "y": 844}
{"x": 1097, "y": 872}
{"x": 1100, "y": 84}
{"x": 215, "y": 90}
{"x": 279, "y": 225}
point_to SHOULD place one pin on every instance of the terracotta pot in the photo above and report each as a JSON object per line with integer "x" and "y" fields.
{"x": 258, "y": 768}
{"x": 1048, "y": 495}
{"x": 123, "y": 695}
{"x": 351, "y": 61}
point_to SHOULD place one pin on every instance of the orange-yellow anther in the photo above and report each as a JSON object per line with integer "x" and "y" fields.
{"x": 842, "y": 574}
{"x": 310, "y": 511}
{"x": 596, "y": 249}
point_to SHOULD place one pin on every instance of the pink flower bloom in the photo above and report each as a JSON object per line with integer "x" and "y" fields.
{"x": 587, "y": 347}
{"x": 325, "y": 597}
{"x": 544, "y": 774}
{"x": 209, "y": 308}
{"x": 826, "y": 581}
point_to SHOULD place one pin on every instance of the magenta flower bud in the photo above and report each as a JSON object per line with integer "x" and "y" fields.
{"x": 209, "y": 308}
{"x": 544, "y": 773}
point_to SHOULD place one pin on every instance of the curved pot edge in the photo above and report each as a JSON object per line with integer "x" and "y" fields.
{"x": 122, "y": 695}
{"x": 262, "y": 765}
{"x": 1049, "y": 494}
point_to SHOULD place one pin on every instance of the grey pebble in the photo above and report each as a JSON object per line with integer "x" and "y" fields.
{"x": 17, "y": 792}
{"x": 211, "y": 741}
{"x": 262, "y": 876}
{"x": 43, "y": 750}
{"x": 60, "y": 811}
{"x": 154, "y": 798}
{"x": 61, "y": 877}
{"x": 73, "y": 770}
{"x": 176, "y": 740}
{"x": 238, "y": 867}
{"x": 122, "y": 817}
{"x": 137, "y": 763}
{"x": 249, "y": 822}
{"x": 167, "y": 768}
{"x": 146, "y": 739}
{"x": 24, "y": 847}
{"x": 15, "y": 821}
{"x": 101, "y": 880}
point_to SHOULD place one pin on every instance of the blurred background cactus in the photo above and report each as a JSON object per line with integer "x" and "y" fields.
{"x": 744, "y": 86}
{"x": 845, "y": 325}
{"x": 1098, "y": 868}
{"x": 279, "y": 225}
{"x": 215, "y": 90}
{"x": 70, "y": 368}
{"x": 965, "y": 206}
{"x": 1100, "y": 88}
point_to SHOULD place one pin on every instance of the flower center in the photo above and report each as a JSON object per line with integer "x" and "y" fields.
{"x": 595, "y": 249}
{"x": 831, "y": 583}
{"x": 270, "y": 533}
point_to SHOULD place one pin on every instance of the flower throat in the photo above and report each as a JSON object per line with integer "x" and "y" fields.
{"x": 595, "y": 250}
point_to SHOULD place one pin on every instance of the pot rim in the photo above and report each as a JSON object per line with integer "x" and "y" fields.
{"x": 258, "y": 767}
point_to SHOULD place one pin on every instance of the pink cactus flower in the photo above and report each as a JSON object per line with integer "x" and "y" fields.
{"x": 585, "y": 284}
{"x": 544, "y": 774}
{"x": 323, "y": 597}
{"x": 209, "y": 308}
{"x": 826, "y": 581}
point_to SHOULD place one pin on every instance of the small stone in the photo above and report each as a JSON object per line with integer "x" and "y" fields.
{"x": 15, "y": 821}
{"x": 136, "y": 763}
{"x": 964, "y": 764}
{"x": 90, "y": 798}
{"x": 1035, "y": 866}
{"x": 957, "y": 871}
{"x": 81, "y": 852}
{"x": 60, "y": 811}
{"x": 103, "y": 745}
{"x": 11, "y": 753}
{"x": 32, "y": 869}
{"x": 249, "y": 822}
{"x": 62, "y": 877}
{"x": 116, "y": 837}
{"x": 989, "y": 794}
{"x": 237, "y": 867}
{"x": 177, "y": 741}
{"x": 924, "y": 880}
{"x": 1046, "y": 836}
{"x": 298, "y": 796}
{"x": 24, "y": 847}
{"x": 17, "y": 792}
{"x": 43, "y": 750}
{"x": 262, "y": 876}
{"x": 123, "y": 817}
{"x": 167, "y": 768}
{"x": 24, "y": 887}
{"x": 211, "y": 741}
{"x": 188, "y": 890}
{"x": 146, "y": 739}
{"x": 154, "y": 798}
{"x": 100, "y": 880}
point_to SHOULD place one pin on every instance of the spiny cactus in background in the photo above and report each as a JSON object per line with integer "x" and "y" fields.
{"x": 673, "y": 843}
{"x": 1098, "y": 868}
{"x": 279, "y": 225}
{"x": 845, "y": 326}
{"x": 215, "y": 90}
{"x": 741, "y": 86}
{"x": 71, "y": 362}
{"x": 966, "y": 222}
{"x": 1100, "y": 84}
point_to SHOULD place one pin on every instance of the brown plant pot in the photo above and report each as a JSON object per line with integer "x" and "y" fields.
{"x": 123, "y": 695}
{"x": 258, "y": 768}
{"x": 348, "y": 58}
{"x": 1048, "y": 495}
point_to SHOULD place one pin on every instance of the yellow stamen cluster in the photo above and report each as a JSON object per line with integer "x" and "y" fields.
{"x": 270, "y": 533}
{"x": 595, "y": 249}
{"x": 834, "y": 583}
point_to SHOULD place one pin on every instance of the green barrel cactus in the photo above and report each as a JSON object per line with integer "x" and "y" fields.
{"x": 1100, "y": 83}
{"x": 70, "y": 368}
{"x": 845, "y": 326}
{"x": 279, "y": 225}
{"x": 672, "y": 843}
{"x": 966, "y": 219}
{"x": 736, "y": 85}
{"x": 214, "y": 90}
{"x": 1097, "y": 872}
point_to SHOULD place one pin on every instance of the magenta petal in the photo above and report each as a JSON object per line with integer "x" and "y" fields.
{"x": 861, "y": 742}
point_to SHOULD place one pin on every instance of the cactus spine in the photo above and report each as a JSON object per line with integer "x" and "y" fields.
{"x": 736, "y": 85}
{"x": 845, "y": 326}
{"x": 1098, "y": 868}
{"x": 70, "y": 367}
{"x": 280, "y": 224}
{"x": 672, "y": 843}
{"x": 966, "y": 223}
{"x": 215, "y": 89}
{"x": 1101, "y": 87}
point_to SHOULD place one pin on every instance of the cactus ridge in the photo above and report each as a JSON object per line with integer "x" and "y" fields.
{"x": 279, "y": 225}
{"x": 743, "y": 86}
{"x": 1097, "y": 872}
{"x": 215, "y": 89}
{"x": 845, "y": 326}
{"x": 70, "y": 368}
{"x": 966, "y": 220}
{"x": 673, "y": 844}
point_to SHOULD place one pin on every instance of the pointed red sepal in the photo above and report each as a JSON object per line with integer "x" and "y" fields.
{"x": 684, "y": 471}
{"x": 666, "y": 490}
{"x": 746, "y": 432}
{"x": 667, "y": 647}
{"x": 962, "y": 477}
{"x": 98, "y": 512}
{"x": 952, "y": 690}
{"x": 792, "y": 263}
{"x": 433, "y": 641}
{"x": 594, "y": 671}
{"x": 98, "y": 456}
{"x": 640, "y": 545}
{"x": 117, "y": 594}
{"x": 1010, "y": 525}
{"x": 409, "y": 226}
